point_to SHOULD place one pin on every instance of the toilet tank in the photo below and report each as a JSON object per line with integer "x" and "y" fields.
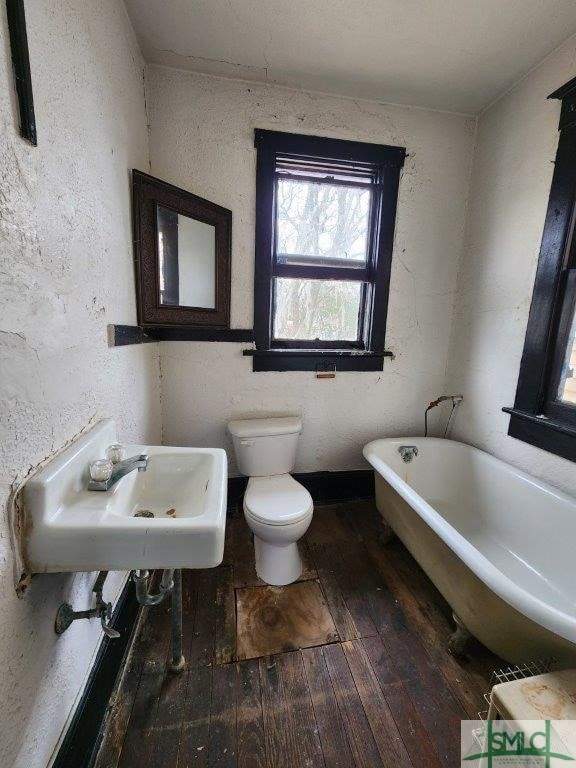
{"x": 265, "y": 446}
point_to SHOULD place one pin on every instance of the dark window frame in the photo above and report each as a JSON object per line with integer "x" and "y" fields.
{"x": 538, "y": 417}
{"x": 367, "y": 353}
{"x": 16, "y": 18}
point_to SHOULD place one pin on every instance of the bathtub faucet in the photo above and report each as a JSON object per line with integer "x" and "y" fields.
{"x": 408, "y": 452}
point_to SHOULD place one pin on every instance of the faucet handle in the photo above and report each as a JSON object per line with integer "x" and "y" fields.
{"x": 116, "y": 453}
{"x": 105, "y": 616}
{"x": 101, "y": 470}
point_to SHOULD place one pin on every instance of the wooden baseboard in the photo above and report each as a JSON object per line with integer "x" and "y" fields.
{"x": 324, "y": 487}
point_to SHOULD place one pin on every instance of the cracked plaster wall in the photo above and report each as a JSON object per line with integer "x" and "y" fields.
{"x": 201, "y": 139}
{"x": 65, "y": 234}
{"x": 516, "y": 145}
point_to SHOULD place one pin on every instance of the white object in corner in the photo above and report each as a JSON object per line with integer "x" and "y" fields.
{"x": 183, "y": 491}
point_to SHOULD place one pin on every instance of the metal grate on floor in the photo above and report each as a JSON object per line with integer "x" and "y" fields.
{"x": 516, "y": 672}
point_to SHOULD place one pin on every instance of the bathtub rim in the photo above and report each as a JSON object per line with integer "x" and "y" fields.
{"x": 534, "y": 608}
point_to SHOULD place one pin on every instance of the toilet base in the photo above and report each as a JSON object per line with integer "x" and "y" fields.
{"x": 277, "y": 565}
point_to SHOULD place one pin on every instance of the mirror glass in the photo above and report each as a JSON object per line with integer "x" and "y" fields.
{"x": 187, "y": 260}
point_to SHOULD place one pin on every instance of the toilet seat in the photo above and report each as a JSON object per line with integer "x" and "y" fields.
{"x": 277, "y": 500}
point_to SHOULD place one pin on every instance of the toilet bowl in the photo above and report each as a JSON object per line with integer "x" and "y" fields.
{"x": 278, "y": 511}
{"x": 277, "y": 508}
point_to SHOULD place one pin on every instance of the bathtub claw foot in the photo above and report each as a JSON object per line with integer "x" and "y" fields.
{"x": 459, "y": 639}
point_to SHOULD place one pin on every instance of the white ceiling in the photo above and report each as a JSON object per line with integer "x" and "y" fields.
{"x": 456, "y": 55}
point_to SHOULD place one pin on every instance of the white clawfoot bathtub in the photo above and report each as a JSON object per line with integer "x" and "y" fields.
{"x": 498, "y": 544}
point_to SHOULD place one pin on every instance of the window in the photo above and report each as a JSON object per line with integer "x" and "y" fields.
{"x": 544, "y": 412}
{"x": 325, "y": 214}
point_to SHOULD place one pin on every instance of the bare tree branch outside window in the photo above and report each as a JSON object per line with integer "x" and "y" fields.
{"x": 325, "y": 221}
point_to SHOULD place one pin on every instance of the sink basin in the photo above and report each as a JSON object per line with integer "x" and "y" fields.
{"x": 173, "y": 515}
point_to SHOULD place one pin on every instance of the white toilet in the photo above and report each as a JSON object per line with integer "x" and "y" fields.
{"x": 277, "y": 508}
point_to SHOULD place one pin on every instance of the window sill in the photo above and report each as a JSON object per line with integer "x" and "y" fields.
{"x": 547, "y": 434}
{"x": 316, "y": 360}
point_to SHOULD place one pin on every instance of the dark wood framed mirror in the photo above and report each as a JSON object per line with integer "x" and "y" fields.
{"x": 183, "y": 251}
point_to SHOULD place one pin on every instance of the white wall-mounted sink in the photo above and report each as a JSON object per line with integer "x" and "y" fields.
{"x": 69, "y": 528}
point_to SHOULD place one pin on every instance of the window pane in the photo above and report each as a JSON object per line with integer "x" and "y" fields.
{"x": 567, "y": 389}
{"x": 323, "y": 221}
{"x": 316, "y": 309}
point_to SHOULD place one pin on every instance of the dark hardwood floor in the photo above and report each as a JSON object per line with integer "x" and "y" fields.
{"x": 380, "y": 690}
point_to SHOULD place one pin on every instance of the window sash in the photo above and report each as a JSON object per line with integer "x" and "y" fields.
{"x": 318, "y": 272}
{"x": 564, "y": 307}
{"x": 358, "y": 343}
{"x": 361, "y": 268}
{"x": 326, "y": 180}
{"x": 554, "y": 407}
{"x": 319, "y": 268}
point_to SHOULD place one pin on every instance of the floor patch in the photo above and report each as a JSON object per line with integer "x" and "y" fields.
{"x": 276, "y": 619}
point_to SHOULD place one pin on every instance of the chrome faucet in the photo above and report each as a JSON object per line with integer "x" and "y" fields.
{"x": 408, "y": 452}
{"x": 118, "y": 471}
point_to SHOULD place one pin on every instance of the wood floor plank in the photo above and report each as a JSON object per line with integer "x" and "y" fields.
{"x": 201, "y": 646}
{"x": 225, "y": 625}
{"x": 480, "y": 662}
{"x": 413, "y": 664}
{"x": 163, "y": 744}
{"x": 420, "y": 601}
{"x": 366, "y": 521}
{"x": 213, "y": 637}
{"x": 355, "y": 585}
{"x": 290, "y": 726}
{"x": 331, "y": 730}
{"x": 382, "y": 723}
{"x": 222, "y": 751}
{"x": 195, "y": 733}
{"x": 424, "y": 608}
{"x": 416, "y": 738}
{"x": 171, "y": 699}
{"x": 164, "y": 740}
{"x": 336, "y": 559}
{"x": 438, "y": 708}
{"x": 239, "y": 553}
{"x": 341, "y": 616}
{"x": 326, "y": 527}
{"x": 136, "y": 746}
{"x": 250, "y": 720}
{"x": 358, "y": 732}
{"x": 431, "y": 614}
{"x": 358, "y": 580}
{"x": 152, "y": 645}
{"x": 117, "y": 723}
{"x": 189, "y": 604}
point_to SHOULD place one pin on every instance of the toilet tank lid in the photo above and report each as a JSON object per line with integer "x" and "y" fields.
{"x": 285, "y": 425}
